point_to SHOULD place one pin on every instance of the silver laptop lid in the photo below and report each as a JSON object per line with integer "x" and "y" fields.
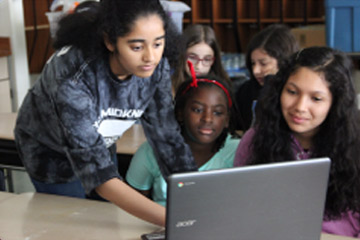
{"x": 273, "y": 201}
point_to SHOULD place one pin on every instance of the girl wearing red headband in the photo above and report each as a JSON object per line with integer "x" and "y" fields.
{"x": 203, "y": 108}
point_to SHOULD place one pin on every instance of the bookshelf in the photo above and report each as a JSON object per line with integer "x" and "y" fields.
{"x": 236, "y": 21}
{"x": 250, "y": 16}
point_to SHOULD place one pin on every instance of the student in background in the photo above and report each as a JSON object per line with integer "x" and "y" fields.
{"x": 266, "y": 53}
{"x": 309, "y": 110}
{"x": 198, "y": 45}
{"x": 204, "y": 110}
{"x": 109, "y": 70}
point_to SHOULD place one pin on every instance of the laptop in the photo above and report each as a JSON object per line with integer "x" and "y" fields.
{"x": 279, "y": 201}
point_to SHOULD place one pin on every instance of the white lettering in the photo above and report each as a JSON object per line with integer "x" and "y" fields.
{"x": 118, "y": 113}
{"x": 187, "y": 223}
{"x": 122, "y": 113}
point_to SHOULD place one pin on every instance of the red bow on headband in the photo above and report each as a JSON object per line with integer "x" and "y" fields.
{"x": 195, "y": 81}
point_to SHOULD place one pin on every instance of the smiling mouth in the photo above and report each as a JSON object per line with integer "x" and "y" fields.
{"x": 298, "y": 120}
{"x": 206, "y": 131}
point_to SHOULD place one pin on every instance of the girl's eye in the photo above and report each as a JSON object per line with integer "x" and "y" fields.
{"x": 136, "y": 48}
{"x": 290, "y": 91}
{"x": 208, "y": 60}
{"x": 218, "y": 113}
{"x": 317, "y": 99}
{"x": 157, "y": 45}
{"x": 193, "y": 57}
{"x": 196, "y": 110}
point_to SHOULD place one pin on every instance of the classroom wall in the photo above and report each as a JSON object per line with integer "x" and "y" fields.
{"x": 4, "y": 18}
{"x": 12, "y": 25}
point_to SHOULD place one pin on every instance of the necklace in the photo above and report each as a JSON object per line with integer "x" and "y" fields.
{"x": 300, "y": 152}
{"x": 303, "y": 154}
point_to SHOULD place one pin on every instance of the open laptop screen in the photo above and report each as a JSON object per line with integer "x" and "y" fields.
{"x": 271, "y": 201}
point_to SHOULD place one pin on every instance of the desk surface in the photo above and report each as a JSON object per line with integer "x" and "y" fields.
{"x": 41, "y": 217}
{"x": 127, "y": 144}
{"x": 5, "y": 196}
{"x": 131, "y": 140}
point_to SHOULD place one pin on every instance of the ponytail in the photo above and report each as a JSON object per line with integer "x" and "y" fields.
{"x": 81, "y": 29}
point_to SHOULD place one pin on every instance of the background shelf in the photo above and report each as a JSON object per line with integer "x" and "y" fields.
{"x": 234, "y": 22}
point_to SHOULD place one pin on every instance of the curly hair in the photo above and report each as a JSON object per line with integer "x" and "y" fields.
{"x": 192, "y": 35}
{"x": 86, "y": 26}
{"x": 338, "y": 135}
{"x": 181, "y": 100}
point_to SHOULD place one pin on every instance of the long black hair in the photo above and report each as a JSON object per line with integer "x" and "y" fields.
{"x": 86, "y": 27}
{"x": 338, "y": 136}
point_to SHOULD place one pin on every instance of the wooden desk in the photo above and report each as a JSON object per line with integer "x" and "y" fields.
{"x": 335, "y": 237}
{"x": 43, "y": 217}
{"x": 131, "y": 140}
{"x": 5, "y": 196}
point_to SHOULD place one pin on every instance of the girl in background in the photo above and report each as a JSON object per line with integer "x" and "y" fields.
{"x": 198, "y": 45}
{"x": 204, "y": 110}
{"x": 266, "y": 53}
{"x": 309, "y": 110}
{"x": 109, "y": 70}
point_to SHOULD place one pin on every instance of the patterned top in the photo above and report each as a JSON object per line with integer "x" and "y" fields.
{"x": 78, "y": 108}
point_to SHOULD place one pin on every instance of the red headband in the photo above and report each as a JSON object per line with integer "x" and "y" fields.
{"x": 195, "y": 81}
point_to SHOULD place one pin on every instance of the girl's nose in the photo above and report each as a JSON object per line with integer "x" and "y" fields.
{"x": 256, "y": 69}
{"x": 207, "y": 116}
{"x": 301, "y": 104}
{"x": 149, "y": 54}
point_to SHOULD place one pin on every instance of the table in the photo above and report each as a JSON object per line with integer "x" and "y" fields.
{"x": 335, "y": 237}
{"x": 9, "y": 159}
{"x": 39, "y": 216}
{"x": 6, "y": 195}
{"x": 131, "y": 140}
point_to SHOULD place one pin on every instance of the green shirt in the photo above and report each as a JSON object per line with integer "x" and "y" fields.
{"x": 144, "y": 172}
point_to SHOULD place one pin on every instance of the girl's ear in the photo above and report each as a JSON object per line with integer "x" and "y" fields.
{"x": 108, "y": 44}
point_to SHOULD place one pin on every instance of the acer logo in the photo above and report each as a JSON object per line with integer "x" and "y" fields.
{"x": 187, "y": 223}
